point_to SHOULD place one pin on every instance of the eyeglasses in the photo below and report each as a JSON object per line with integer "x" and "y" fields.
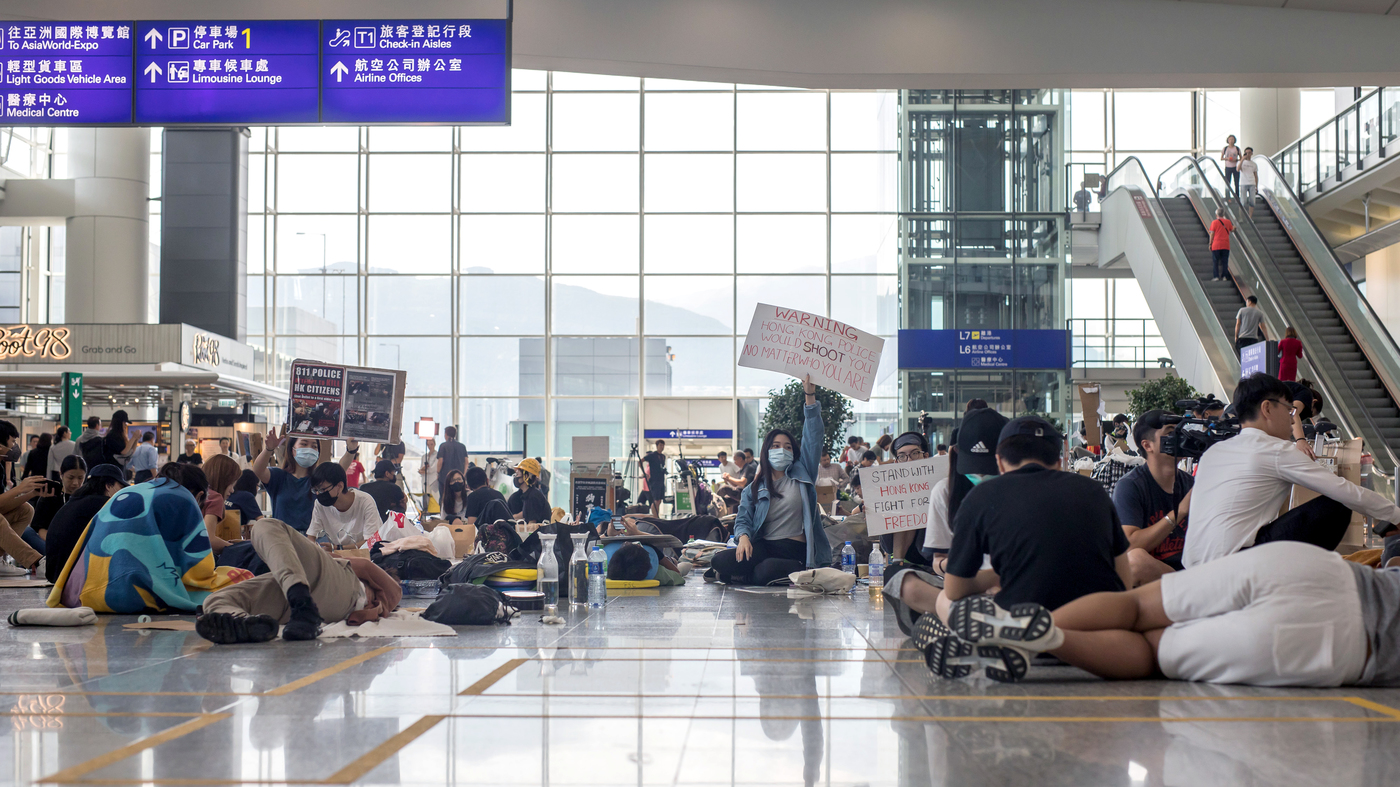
{"x": 1287, "y": 405}
{"x": 909, "y": 456}
{"x": 323, "y": 489}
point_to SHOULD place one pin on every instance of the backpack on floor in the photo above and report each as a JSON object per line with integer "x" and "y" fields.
{"x": 469, "y": 605}
{"x": 499, "y": 536}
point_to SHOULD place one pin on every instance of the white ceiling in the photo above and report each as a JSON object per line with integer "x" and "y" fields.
{"x": 890, "y": 43}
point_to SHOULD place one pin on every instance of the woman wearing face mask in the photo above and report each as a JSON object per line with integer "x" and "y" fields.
{"x": 289, "y": 486}
{"x": 454, "y": 499}
{"x": 778, "y": 526}
{"x": 972, "y": 461}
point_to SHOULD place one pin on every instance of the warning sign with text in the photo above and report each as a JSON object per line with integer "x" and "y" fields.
{"x": 797, "y": 343}
{"x": 897, "y": 495}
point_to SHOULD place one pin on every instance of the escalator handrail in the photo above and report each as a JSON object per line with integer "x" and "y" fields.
{"x": 1131, "y": 174}
{"x": 1257, "y": 247}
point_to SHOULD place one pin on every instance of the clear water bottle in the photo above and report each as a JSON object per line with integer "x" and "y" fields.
{"x": 848, "y": 558}
{"x": 578, "y": 572}
{"x": 877, "y": 568}
{"x": 597, "y": 577}
{"x": 547, "y": 574}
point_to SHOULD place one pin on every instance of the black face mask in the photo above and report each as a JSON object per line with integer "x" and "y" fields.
{"x": 457, "y": 487}
{"x": 518, "y": 483}
{"x": 326, "y": 498}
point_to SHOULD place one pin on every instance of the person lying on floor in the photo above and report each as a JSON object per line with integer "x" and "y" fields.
{"x": 1278, "y": 614}
{"x": 1052, "y": 536}
{"x": 633, "y": 562}
{"x": 305, "y": 587}
{"x": 778, "y": 526}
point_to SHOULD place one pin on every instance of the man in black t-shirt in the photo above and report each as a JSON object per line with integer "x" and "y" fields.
{"x": 1052, "y": 537}
{"x": 529, "y": 503}
{"x": 387, "y": 494}
{"x": 481, "y": 494}
{"x": 1152, "y": 501}
{"x": 655, "y": 462}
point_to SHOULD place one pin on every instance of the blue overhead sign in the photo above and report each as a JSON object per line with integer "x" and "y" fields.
{"x": 226, "y": 72}
{"x": 75, "y": 73}
{"x": 257, "y": 72}
{"x": 415, "y": 70}
{"x": 982, "y": 349}
{"x": 689, "y": 434}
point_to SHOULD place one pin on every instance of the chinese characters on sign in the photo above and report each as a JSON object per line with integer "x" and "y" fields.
{"x": 66, "y": 74}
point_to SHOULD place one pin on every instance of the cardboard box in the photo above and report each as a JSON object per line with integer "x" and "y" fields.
{"x": 1089, "y": 397}
{"x": 826, "y": 495}
{"x": 230, "y": 528}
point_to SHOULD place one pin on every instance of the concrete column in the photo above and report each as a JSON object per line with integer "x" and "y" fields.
{"x": 204, "y": 230}
{"x": 1383, "y": 286}
{"x": 108, "y": 232}
{"x": 1268, "y": 118}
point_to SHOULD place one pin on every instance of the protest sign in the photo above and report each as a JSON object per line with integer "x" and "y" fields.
{"x": 797, "y": 343}
{"x": 897, "y": 495}
{"x": 329, "y": 401}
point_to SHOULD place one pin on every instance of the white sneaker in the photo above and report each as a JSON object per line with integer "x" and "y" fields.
{"x": 9, "y": 570}
{"x": 978, "y": 620}
{"x": 39, "y": 569}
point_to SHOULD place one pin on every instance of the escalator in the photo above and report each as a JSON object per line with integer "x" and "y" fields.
{"x": 1191, "y": 233}
{"x": 1337, "y": 345}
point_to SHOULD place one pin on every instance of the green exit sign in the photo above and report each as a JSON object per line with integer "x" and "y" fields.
{"x": 228, "y": 402}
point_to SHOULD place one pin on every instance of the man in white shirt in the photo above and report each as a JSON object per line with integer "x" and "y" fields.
{"x": 1249, "y": 180}
{"x": 1242, "y": 482}
{"x": 830, "y": 473}
{"x": 727, "y": 467}
{"x": 345, "y": 517}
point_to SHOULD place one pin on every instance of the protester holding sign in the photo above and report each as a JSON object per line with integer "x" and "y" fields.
{"x": 778, "y": 526}
{"x": 836, "y": 355}
{"x": 289, "y": 486}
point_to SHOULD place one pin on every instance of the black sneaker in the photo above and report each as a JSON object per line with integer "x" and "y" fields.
{"x": 978, "y": 619}
{"x": 306, "y": 619}
{"x": 950, "y": 657}
{"x": 927, "y": 629}
{"x": 224, "y": 628}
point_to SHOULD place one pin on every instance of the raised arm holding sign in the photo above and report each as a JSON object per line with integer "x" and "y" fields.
{"x": 797, "y": 343}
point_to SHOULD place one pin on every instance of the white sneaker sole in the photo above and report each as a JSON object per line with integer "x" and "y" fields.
{"x": 977, "y": 619}
{"x": 950, "y": 657}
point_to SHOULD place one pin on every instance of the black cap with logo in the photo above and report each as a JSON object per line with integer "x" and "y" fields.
{"x": 977, "y": 441}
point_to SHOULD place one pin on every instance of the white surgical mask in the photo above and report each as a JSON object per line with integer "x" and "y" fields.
{"x": 306, "y": 457}
{"x": 780, "y": 458}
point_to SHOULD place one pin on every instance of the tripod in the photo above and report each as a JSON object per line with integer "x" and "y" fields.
{"x": 631, "y": 471}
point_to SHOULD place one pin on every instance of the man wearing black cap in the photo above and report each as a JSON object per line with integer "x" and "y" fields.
{"x": 974, "y": 462}
{"x": 388, "y": 496}
{"x": 1052, "y": 536}
{"x": 1152, "y": 501}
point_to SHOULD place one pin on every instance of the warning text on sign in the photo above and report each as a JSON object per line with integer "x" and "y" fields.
{"x": 797, "y": 343}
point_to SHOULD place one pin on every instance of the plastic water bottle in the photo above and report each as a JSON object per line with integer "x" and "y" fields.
{"x": 877, "y": 569}
{"x": 848, "y": 558}
{"x": 597, "y": 577}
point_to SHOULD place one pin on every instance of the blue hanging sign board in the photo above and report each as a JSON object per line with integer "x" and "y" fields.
{"x": 983, "y": 349}
{"x": 66, "y": 74}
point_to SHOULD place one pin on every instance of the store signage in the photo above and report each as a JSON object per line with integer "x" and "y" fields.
{"x": 256, "y": 72}
{"x": 982, "y": 349}
{"x": 30, "y": 342}
{"x": 74, "y": 73}
{"x": 689, "y": 434}
{"x": 205, "y": 349}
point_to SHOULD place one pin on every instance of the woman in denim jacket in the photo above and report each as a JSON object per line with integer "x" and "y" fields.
{"x": 778, "y": 526}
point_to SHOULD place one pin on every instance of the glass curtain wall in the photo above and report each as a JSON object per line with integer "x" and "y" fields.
{"x": 983, "y": 238}
{"x": 543, "y": 280}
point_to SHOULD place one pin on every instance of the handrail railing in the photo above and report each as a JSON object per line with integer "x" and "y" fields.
{"x": 1367, "y": 330}
{"x": 1113, "y": 338}
{"x": 1363, "y": 128}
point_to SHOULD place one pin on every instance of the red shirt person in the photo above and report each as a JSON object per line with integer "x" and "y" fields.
{"x": 1220, "y": 230}
{"x": 1290, "y": 349}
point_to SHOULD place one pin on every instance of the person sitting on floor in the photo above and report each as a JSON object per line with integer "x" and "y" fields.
{"x": 1052, "y": 536}
{"x": 1152, "y": 501}
{"x": 904, "y": 545}
{"x": 1242, "y": 483}
{"x": 1278, "y": 614}
{"x": 528, "y": 502}
{"x": 778, "y": 526}
{"x": 146, "y": 550}
{"x": 245, "y": 497}
{"x": 344, "y": 517}
{"x": 304, "y": 588}
{"x": 970, "y": 463}
{"x": 388, "y": 496}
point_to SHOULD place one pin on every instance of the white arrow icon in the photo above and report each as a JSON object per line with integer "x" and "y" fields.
{"x": 152, "y": 70}
{"x": 339, "y": 70}
{"x": 153, "y": 36}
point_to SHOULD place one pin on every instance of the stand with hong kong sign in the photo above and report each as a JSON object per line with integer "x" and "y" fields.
{"x": 897, "y": 495}
{"x": 797, "y": 343}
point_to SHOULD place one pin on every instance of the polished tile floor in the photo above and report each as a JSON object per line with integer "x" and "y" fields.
{"x": 699, "y": 685}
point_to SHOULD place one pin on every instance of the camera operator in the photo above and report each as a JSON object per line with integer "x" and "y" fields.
{"x": 1152, "y": 501}
{"x": 1208, "y": 408}
{"x": 1242, "y": 482}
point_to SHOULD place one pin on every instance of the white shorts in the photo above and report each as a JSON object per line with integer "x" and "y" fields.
{"x": 1278, "y": 614}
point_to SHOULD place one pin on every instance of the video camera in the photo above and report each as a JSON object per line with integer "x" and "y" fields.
{"x": 1193, "y": 436}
